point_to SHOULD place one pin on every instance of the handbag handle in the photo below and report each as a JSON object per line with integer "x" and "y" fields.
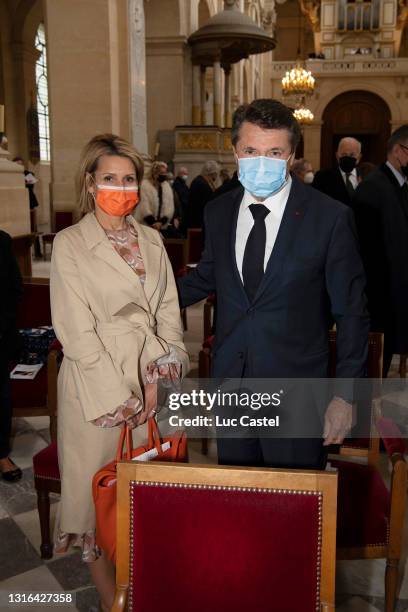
{"x": 153, "y": 435}
{"x": 125, "y": 435}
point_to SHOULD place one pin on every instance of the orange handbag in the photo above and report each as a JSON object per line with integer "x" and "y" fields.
{"x": 104, "y": 481}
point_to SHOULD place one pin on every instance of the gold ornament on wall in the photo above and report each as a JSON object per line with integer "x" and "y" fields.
{"x": 198, "y": 141}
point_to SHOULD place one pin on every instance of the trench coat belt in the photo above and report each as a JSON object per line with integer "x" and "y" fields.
{"x": 144, "y": 332}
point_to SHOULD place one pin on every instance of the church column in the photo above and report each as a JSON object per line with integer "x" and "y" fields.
{"x": 217, "y": 92}
{"x": 227, "y": 95}
{"x": 137, "y": 60}
{"x": 196, "y": 110}
{"x": 203, "y": 96}
{"x": 95, "y": 62}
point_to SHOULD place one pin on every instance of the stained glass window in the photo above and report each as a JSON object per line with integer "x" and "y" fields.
{"x": 42, "y": 94}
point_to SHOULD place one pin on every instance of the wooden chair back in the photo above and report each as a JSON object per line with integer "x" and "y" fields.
{"x": 364, "y": 447}
{"x": 224, "y": 538}
{"x": 63, "y": 219}
{"x": 195, "y": 244}
{"x": 371, "y": 515}
{"x": 177, "y": 250}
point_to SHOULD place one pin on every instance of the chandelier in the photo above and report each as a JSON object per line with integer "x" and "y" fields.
{"x": 303, "y": 115}
{"x": 298, "y": 82}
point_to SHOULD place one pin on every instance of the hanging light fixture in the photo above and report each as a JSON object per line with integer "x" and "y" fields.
{"x": 303, "y": 115}
{"x": 298, "y": 81}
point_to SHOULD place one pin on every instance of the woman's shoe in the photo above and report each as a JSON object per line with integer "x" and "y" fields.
{"x": 12, "y": 475}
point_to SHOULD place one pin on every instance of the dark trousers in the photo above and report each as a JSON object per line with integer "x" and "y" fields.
{"x": 5, "y": 413}
{"x": 290, "y": 453}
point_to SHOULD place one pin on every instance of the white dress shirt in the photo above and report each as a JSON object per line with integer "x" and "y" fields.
{"x": 276, "y": 203}
{"x": 398, "y": 175}
{"x": 352, "y": 176}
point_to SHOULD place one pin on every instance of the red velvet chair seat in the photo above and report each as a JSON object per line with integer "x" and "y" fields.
{"x": 193, "y": 548}
{"x": 361, "y": 487}
{"x": 45, "y": 463}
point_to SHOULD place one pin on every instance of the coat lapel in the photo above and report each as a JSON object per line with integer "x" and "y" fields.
{"x": 341, "y": 185}
{"x": 291, "y": 221}
{"x": 99, "y": 244}
{"x": 232, "y": 222}
{"x": 151, "y": 253}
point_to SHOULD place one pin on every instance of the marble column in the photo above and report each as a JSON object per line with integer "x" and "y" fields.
{"x": 14, "y": 206}
{"x": 227, "y": 97}
{"x": 88, "y": 84}
{"x": 137, "y": 61}
{"x": 217, "y": 92}
{"x": 196, "y": 109}
{"x": 203, "y": 96}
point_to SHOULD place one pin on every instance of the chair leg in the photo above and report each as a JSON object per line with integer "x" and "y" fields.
{"x": 53, "y": 428}
{"x": 403, "y": 366}
{"x": 43, "y": 504}
{"x": 391, "y": 584}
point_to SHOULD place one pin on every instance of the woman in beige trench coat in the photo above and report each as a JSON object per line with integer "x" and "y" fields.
{"x": 115, "y": 311}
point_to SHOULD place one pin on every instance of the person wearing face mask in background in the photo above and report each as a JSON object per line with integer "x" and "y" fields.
{"x": 341, "y": 182}
{"x": 156, "y": 207}
{"x": 381, "y": 211}
{"x": 303, "y": 169}
{"x": 115, "y": 311}
{"x": 283, "y": 260}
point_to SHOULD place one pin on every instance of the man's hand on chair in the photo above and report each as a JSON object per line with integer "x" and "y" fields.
{"x": 337, "y": 421}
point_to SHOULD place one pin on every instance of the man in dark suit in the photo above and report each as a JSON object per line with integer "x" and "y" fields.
{"x": 381, "y": 211}
{"x": 341, "y": 182}
{"x": 283, "y": 260}
{"x": 11, "y": 290}
{"x": 201, "y": 192}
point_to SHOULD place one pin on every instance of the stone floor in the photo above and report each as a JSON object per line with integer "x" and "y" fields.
{"x": 359, "y": 584}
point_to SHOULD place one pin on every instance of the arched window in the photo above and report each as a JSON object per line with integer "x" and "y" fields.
{"x": 42, "y": 94}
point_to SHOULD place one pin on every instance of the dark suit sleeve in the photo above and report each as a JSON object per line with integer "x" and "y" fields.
{"x": 370, "y": 232}
{"x": 199, "y": 283}
{"x": 345, "y": 281}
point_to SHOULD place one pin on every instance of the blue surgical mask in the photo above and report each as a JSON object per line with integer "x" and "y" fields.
{"x": 262, "y": 176}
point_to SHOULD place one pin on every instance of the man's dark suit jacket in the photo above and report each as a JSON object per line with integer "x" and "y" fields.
{"x": 381, "y": 211}
{"x": 200, "y": 193}
{"x": 314, "y": 273}
{"x": 331, "y": 183}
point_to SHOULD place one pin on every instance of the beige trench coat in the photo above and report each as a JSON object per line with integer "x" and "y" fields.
{"x": 110, "y": 327}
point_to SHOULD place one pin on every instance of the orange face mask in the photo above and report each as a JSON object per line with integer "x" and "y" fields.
{"x": 117, "y": 202}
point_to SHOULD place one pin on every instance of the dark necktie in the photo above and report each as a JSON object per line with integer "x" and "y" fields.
{"x": 254, "y": 255}
{"x": 349, "y": 185}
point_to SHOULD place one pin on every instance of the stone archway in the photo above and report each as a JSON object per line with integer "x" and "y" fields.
{"x": 361, "y": 114}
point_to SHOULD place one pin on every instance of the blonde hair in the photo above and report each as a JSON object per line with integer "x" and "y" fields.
{"x": 103, "y": 144}
{"x": 156, "y": 169}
